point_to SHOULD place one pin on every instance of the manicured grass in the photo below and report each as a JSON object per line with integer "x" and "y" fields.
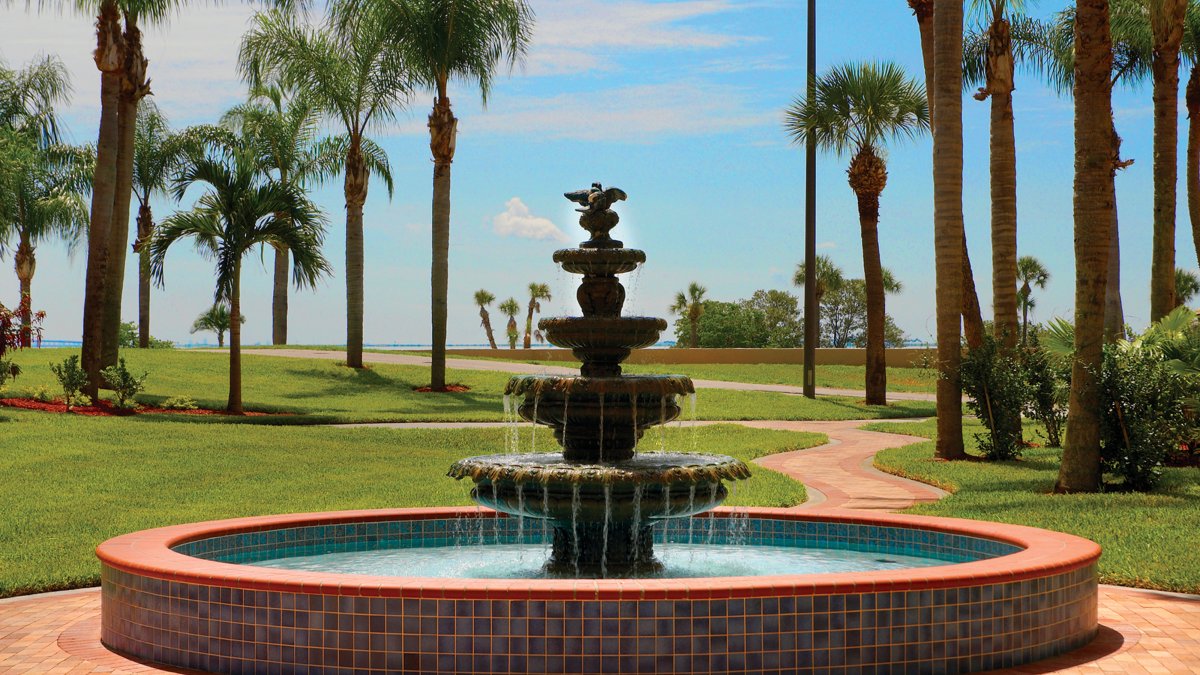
{"x": 74, "y": 482}
{"x": 1149, "y": 540}
{"x": 320, "y": 390}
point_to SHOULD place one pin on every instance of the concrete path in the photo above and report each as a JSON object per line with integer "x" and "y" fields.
{"x": 537, "y": 369}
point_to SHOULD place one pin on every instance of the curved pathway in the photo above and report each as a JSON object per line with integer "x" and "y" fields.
{"x": 1141, "y": 631}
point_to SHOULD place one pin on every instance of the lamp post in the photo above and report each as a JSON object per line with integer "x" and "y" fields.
{"x": 810, "y": 222}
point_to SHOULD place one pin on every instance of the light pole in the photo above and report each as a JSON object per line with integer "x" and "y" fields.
{"x": 810, "y": 222}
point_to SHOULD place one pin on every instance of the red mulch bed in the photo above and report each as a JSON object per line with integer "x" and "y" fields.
{"x": 450, "y": 388}
{"x": 106, "y": 409}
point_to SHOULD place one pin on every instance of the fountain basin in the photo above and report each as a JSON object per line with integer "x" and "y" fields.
{"x": 1024, "y": 594}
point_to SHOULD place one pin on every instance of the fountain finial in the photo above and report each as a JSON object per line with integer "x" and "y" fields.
{"x": 597, "y": 214}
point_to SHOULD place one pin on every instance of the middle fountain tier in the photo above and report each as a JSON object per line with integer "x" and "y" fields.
{"x": 600, "y": 496}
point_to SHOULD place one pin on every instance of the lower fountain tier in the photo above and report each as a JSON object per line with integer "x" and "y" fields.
{"x": 599, "y": 419}
{"x": 601, "y": 513}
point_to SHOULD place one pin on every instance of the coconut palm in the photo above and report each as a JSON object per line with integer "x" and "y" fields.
{"x": 239, "y": 211}
{"x": 1187, "y": 285}
{"x": 972, "y": 316}
{"x": 465, "y": 40}
{"x": 829, "y": 278}
{"x": 215, "y": 319}
{"x": 690, "y": 304}
{"x": 537, "y": 293}
{"x": 1094, "y": 201}
{"x": 1030, "y": 272}
{"x": 483, "y": 298}
{"x": 510, "y": 308}
{"x": 855, "y": 109}
{"x": 353, "y": 71}
{"x": 283, "y": 127}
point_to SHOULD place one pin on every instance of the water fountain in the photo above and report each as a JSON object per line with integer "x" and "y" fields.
{"x": 600, "y": 495}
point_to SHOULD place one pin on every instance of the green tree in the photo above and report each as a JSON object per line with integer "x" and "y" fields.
{"x": 855, "y": 109}
{"x": 1030, "y": 273}
{"x": 844, "y": 315}
{"x": 537, "y": 293}
{"x": 238, "y": 212}
{"x": 483, "y": 298}
{"x": 443, "y": 40}
{"x": 511, "y": 309}
{"x": 829, "y": 277}
{"x": 1187, "y": 285}
{"x": 215, "y": 319}
{"x": 781, "y": 311}
{"x": 353, "y": 71}
{"x": 690, "y": 304}
{"x": 725, "y": 325}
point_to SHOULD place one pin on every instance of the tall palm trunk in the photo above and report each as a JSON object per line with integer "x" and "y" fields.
{"x": 868, "y": 177}
{"x": 1166, "y": 20}
{"x": 1024, "y": 293}
{"x": 234, "y": 406}
{"x": 133, "y": 88}
{"x": 443, "y": 130}
{"x": 972, "y": 316}
{"x": 145, "y": 229}
{"x": 1094, "y": 202}
{"x": 486, "y": 322}
{"x": 948, "y": 220}
{"x": 356, "y": 196}
{"x": 108, "y": 57}
{"x": 1114, "y": 312}
{"x": 1192, "y": 99}
{"x": 25, "y": 263}
{"x": 1004, "y": 182}
{"x": 694, "y": 331}
{"x": 279, "y": 296}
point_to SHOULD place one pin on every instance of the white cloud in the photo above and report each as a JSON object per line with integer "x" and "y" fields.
{"x": 517, "y": 220}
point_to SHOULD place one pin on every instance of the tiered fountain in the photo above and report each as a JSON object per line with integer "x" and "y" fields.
{"x": 600, "y": 495}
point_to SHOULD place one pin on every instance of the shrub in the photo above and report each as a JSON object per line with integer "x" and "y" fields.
{"x": 127, "y": 336}
{"x": 42, "y": 394}
{"x": 124, "y": 384}
{"x": 179, "y": 403}
{"x": 71, "y": 377}
{"x": 1048, "y": 390}
{"x": 1145, "y": 417}
{"x": 997, "y": 392}
{"x": 8, "y": 371}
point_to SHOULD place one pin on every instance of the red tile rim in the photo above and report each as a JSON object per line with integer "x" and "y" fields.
{"x": 148, "y": 553}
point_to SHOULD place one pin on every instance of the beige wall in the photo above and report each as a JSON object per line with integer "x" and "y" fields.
{"x": 834, "y": 357}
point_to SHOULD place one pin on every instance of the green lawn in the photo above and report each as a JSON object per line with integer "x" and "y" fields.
{"x": 1149, "y": 540}
{"x": 73, "y": 482}
{"x": 320, "y": 390}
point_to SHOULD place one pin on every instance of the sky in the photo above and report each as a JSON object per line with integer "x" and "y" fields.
{"x": 680, "y": 104}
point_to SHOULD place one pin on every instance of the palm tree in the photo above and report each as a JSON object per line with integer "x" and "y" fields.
{"x": 215, "y": 319}
{"x": 972, "y": 316}
{"x": 483, "y": 298}
{"x": 1191, "y": 51}
{"x": 238, "y": 212}
{"x": 353, "y": 71}
{"x": 690, "y": 304}
{"x": 948, "y": 220}
{"x": 537, "y": 293}
{"x": 829, "y": 278}
{"x": 1187, "y": 285}
{"x": 1167, "y": 27}
{"x": 1030, "y": 272}
{"x": 856, "y": 108}
{"x": 1094, "y": 202}
{"x": 510, "y": 308}
{"x": 464, "y": 40}
{"x": 283, "y": 127}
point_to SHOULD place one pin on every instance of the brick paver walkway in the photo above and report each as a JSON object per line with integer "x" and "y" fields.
{"x": 1141, "y": 631}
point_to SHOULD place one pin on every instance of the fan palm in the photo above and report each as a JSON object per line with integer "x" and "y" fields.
{"x": 483, "y": 298}
{"x": 1094, "y": 203}
{"x": 240, "y": 210}
{"x": 855, "y": 109}
{"x": 690, "y": 304}
{"x": 829, "y": 278}
{"x": 537, "y": 293}
{"x": 353, "y": 71}
{"x": 463, "y": 40}
{"x": 215, "y": 319}
{"x": 1187, "y": 285}
{"x": 511, "y": 308}
{"x": 1030, "y": 272}
{"x": 283, "y": 129}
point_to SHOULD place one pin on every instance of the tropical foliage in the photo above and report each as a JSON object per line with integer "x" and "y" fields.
{"x": 510, "y": 308}
{"x": 483, "y": 298}
{"x": 215, "y": 319}
{"x": 689, "y": 304}
{"x": 537, "y": 293}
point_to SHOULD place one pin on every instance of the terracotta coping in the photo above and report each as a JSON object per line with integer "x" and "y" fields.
{"x": 148, "y": 553}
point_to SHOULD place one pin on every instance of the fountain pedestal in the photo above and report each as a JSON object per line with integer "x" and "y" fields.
{"x": 600, "y": 496}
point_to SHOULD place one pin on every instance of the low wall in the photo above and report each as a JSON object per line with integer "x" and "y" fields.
{"x": 896, "y": 358}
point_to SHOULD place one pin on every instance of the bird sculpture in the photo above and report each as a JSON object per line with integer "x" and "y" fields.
{"x": 596, "y": 198}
